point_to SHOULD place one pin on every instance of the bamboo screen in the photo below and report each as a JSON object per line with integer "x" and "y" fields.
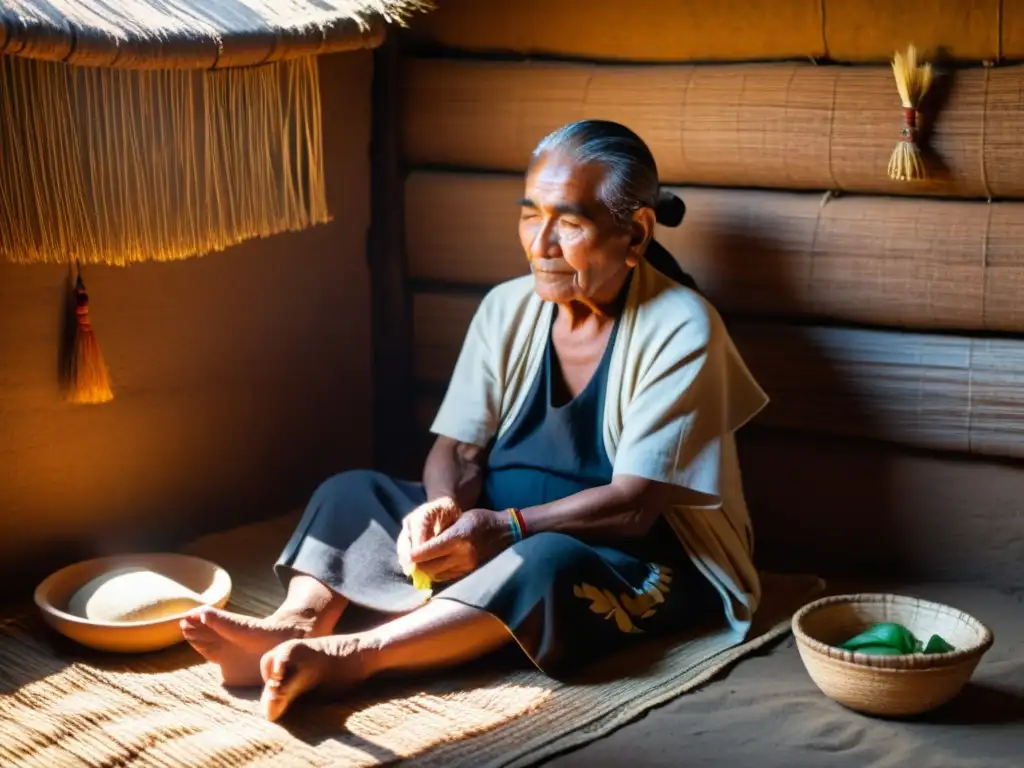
{"x": 794, "y": 229}
{"x": 786, "y": 125}
{"x": 927, "y": 264}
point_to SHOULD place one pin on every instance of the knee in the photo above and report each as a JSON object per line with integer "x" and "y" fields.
{"x": 345, "y": 484}
{"x": 543, "y": 545}
{"x": 553, "y": 552}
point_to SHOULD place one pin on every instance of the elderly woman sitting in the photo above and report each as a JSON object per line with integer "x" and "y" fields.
{"x": 584, "y": 488}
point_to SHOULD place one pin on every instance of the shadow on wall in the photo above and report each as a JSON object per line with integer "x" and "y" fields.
{"x": 931, "y": 110}
{"x": 812, "y": 508}
{"x": 241, "y": 379}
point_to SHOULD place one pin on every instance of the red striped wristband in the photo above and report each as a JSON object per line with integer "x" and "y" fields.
{"x": 518, "y": 515}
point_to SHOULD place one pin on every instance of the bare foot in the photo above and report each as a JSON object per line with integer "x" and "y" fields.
{"x": 333, "y": 664}
{"x": 235, "y": 643}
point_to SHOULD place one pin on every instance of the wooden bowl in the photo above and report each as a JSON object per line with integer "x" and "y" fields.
{"x": 893, "y": 686}
{"x": 211, "y": 582}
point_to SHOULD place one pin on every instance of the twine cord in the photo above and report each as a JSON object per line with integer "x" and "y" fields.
{"x": 691, "y": 74}
{"x": 788, "y": 101}
{"x": 984, "y": 266}
{"x": 970, "y": 395}
{"x": 909, "y": 132}
{"x": 826, "y": 198}
{"x": 831, "y": 127}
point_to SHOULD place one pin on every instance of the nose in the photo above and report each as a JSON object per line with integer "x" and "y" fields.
{"x": 544, "y": 242}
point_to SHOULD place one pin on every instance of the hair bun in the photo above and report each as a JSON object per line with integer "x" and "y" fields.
{"x": 670, "y": 209}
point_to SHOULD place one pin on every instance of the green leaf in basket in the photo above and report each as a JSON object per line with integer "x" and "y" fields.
{"x": 887, "y": 634}
{"x": 937, "y": 645}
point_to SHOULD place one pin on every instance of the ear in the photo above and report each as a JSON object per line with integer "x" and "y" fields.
{"x": 642, "y": 232}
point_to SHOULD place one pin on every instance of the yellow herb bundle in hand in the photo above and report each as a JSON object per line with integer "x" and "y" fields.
{"x": 421, "y": 581}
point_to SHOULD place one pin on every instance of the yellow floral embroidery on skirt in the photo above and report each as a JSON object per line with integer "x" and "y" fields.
{"x": 625, "y": 609}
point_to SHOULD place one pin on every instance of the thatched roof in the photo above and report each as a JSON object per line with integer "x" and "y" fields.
{"x": 201, "y": 34}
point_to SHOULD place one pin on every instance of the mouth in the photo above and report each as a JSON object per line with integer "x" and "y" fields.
{"x": 550, "y": 268}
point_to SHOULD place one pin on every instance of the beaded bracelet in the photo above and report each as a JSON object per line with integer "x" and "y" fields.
{"x": 518, "y": 525}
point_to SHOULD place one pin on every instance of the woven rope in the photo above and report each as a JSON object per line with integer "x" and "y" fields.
{"x": 68, "y": 708}
{"x": 193, "y": 34}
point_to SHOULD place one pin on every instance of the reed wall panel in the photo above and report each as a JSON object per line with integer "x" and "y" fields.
{"x": 928, "y": 391}
{"x": 713, "y": 30}
{"x": 788, "y": 125}
{"x": 841, "y": 507}
{"x": 914, "y": 263}
{"x": 845, "y": 507}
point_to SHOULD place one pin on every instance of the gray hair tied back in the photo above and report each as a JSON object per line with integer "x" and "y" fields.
{"x": 670, "y": 209}
{"x": 631, "y": 182}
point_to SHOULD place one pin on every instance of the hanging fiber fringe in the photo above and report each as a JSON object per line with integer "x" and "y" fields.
{"x": 106, "y": 166}
{"x": 912, "y": 81}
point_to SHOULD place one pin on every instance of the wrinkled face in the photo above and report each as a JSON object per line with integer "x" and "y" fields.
{"x": 576, "y": 249}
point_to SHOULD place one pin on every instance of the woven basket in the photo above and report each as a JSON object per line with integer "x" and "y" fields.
{"x": 888, "y": 685}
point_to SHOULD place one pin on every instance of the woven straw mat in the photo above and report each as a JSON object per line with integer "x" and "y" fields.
{"x": 61, "y": 705}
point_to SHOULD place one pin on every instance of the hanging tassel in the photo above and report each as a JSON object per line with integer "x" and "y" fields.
{"x": 912, "y": 82}
{"x": 88, "y": 379}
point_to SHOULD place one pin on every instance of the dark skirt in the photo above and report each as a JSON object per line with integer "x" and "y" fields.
{"x": 567, "y": 603}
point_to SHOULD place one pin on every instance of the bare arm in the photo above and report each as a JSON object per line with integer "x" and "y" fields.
{"x": 454, "y": 470}
{"x": 625, "y": 508}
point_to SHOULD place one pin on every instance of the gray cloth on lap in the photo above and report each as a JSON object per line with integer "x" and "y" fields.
{"x": 368, "y": 568}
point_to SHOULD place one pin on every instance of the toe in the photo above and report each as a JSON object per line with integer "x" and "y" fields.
{"x": 213, "y": 618}
{"x": 273, "y": 666}
{"x": 276, "y": 663}
{"x": 272, "y": 704}
{"x": 287, "y": 674}
{"x": 193, "y": 632}
{"x": 195, "y": 616}
{"x": 190, "y": 621}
